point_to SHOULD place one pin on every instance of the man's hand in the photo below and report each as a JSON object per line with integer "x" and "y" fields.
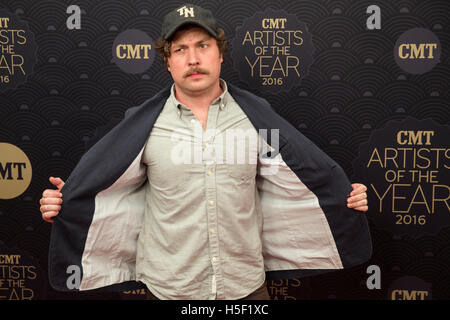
{"x": 358, "y": 198}
{"x": 51, "y": 200}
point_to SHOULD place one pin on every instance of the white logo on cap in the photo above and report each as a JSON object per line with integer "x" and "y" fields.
{"x": 184, "y": 11}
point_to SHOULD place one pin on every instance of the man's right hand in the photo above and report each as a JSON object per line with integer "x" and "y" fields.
{"x": 51, "y": 200}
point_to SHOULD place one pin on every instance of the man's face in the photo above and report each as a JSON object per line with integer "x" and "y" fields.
{"x": 194, "y": 61}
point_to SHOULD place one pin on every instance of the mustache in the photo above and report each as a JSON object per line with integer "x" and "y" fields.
{"x": 195, "y": 70}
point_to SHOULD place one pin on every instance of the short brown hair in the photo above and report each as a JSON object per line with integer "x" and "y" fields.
{"x": 163, "y": 46}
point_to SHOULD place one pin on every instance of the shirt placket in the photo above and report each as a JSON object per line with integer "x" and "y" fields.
{"x": 209, "y": 165}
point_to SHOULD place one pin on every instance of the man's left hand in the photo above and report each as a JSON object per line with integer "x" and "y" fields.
{"x": 358, "y": 198}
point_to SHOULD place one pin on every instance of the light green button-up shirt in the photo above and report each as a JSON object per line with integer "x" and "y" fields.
{"x": 201, "y": 237}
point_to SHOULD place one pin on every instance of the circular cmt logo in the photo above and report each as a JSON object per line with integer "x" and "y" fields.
{"x": 417, "y": 51}
{"x": 17, "y": 50}
{"x": 15, "y": 171}
{"x": 409, "y": 288}
{"x": 272, "y": 50}
{"x": 405, "y": 166}
{"x": 133, "y": 51}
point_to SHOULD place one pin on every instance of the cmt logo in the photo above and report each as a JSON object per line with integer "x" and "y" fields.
{"x": 15, "y": 171}
{"x": 417, "y": 51}
{"x": 132, "y": 51}
{"x": 12, "y": 170}
{"x": 137, "y": 51}
{"x": 409, "y": 288}
{"x": 409, "y": 294}
{"x": 269, "y": 23}
{"x": 410, "y": 137}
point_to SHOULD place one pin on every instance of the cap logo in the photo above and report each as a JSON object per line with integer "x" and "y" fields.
{"x": 184, "y": 11}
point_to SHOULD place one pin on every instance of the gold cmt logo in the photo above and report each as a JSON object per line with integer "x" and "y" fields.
{"x": 133, "y": 51}
{"x": 15, "y": 171}
{"x": 411, "y": 137}
{"x": 417, "y": 51}
{"x": 409, "y": 294}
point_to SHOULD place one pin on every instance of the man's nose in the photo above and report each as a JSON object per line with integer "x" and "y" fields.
{"x": 193, "y": 59}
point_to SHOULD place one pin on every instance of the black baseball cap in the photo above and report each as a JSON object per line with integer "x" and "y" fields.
{"x": 188, "y": 14}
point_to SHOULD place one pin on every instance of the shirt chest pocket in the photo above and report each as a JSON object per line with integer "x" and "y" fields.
{"x": 167, "y": 169}
{"x": 169, "y": 178}
{"x": 240, "y": 159}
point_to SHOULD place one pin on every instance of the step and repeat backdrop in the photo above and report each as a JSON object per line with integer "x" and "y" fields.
{"x": 367, "y": 81}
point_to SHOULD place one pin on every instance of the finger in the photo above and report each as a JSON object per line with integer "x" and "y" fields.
{"x": 358, "y": 204}
{"x": 362, "y": 208}
{"x": 358, "y": 188}
{"x": 47, "y": 216}
{"x": 51, "y": 214}
{"x": 359, "y": 208}
{"x": 361, "y": 203}
{"x": 358, "y": 197}
{"x": 44, "y": 201}
{"x": 57, "y": 182}
{"x": 51, "y": 193}
{"x": 49, "y": 207}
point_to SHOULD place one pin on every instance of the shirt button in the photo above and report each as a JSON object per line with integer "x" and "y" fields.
{"x": 192, "y": 120}
{"x": 214, "y": 259}
{"x": 206, "y": 145}
{"x": 213, "y": 230}
{"x": 209, "y": 172}
{"x": 211, "y": 203}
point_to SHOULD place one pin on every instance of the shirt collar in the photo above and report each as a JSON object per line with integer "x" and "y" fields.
{"x": 222, "y": 100}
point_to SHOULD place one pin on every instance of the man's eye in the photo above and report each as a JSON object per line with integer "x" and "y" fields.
{"x": 179, "y": 50}
{"x": 204, "y": 45}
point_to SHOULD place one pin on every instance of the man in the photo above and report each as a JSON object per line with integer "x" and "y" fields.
{"x": 162, "y": 200}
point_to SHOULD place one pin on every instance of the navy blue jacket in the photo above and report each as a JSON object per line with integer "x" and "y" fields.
{"x": 306, "y": 200}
